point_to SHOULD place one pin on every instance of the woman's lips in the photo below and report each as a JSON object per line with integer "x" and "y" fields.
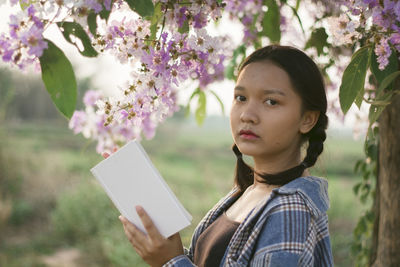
{"x": 247, "y": 134}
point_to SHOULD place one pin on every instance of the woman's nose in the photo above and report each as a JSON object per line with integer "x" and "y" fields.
{"x": 249, "y": 114}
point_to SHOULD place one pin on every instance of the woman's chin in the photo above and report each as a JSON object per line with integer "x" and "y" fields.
{"x": 250, "y": 150}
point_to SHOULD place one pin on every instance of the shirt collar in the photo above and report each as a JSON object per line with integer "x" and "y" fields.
{"x": 313, "y": 190}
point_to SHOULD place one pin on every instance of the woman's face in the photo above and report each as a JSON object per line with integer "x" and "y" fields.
{"x": 266, "y": 119}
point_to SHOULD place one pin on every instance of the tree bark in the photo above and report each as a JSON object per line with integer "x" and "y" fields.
{"x": 375, "y": 209}
{"x": 387, "y": 236}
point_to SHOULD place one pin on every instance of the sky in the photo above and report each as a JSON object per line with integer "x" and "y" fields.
{"x": 107, "y": 74}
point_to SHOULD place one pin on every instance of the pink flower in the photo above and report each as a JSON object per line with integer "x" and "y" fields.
{"x": 383, "y": 52}
{"x": 90, "y": 97}
{"x": 33, "y": 38}
{"x": 77, "y": 121}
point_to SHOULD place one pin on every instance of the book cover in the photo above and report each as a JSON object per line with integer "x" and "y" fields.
{"x": 129, "y": 178}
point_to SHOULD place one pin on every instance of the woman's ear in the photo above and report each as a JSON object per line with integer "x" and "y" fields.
{"x": 309, "y": 119}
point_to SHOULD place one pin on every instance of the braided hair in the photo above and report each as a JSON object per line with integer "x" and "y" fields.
{"x": 308, "y": 83}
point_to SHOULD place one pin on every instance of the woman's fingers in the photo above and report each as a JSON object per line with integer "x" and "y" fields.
{"x": 132, "y": 240}
{"x": 148, "y": 224}
{"x": 153, "y": 247}
{"x": 133, "y": 232}
{"x": 106, "y": 155}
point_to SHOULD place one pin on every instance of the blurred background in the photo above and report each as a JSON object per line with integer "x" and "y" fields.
{"x": 54, "y": 213}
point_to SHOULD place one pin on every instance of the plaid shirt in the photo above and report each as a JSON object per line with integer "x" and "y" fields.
{"x": 290, "y": 228}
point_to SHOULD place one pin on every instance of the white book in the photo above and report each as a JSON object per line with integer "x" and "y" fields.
{"x": 129, "y": 178}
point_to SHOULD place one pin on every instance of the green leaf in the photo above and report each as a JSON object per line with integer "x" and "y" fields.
{"x": 219, "y": 100}
{"x": 105, "y": 14}
{"x": 25, "y": 4}
{"x": 272, "y": 21}
{"x": 372, "y": 151}
{"x": 361, "y": 226}
{"x": 386, "y": 82}
{"x": 375, "y": 130}
{"x": 230, "y": 69}
{"x": 318, "y": 39}
{"x": 201, "y": 108}
{"x": 155, "y": 19}
{"x": 75, "y": 29}
{"x": 195, "y": 92}
{"x": 359, "y": 98}
{"x": 59, "y": 79}
{"x": 187, "y": 109}
{"x": 253, "y": 28}
{"x": 363, "y": 168}
{"x": 297, "y": 4}
{"x": 376, "y": 110}
{"x": 184, "y": 28}
{"x": 356, "y": 188}
{"x": 370, "y": 216}
{"x": 366, "y": 176}
{"x": 354, "y": 77}
{"x": 374, "y": 113}
{"x": 294, "y": 10}
{"x": 144, "y": 8}
{"x": 363, "y": 198}
{"x": 357, "y": 165}
{"x": 356, "y": 246}
{"x": 91, "y": 20}
{"x": 380, "y": 75}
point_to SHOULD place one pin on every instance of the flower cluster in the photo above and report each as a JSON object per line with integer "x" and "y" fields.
{"x": 343, "y": 29}
{"x": 92, "y": 125}
{"x": 24, "y": 42}
{"x": 76, "y": 10}
{"x": 196, "y": 14}
{"x": 79, "y": 10}
{"x": 160, "y": 65}
{"x": 161, "y": 58}
{"x": 377, "y": 21}
{"x": 248, "y": 12}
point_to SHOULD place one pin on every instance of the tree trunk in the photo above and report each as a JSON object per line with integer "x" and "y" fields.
{"x": 375, "y": 209}
{"x": 387, "y": 235}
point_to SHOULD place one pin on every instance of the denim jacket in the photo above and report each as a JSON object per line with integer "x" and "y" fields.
{"x": 290, "y": 228}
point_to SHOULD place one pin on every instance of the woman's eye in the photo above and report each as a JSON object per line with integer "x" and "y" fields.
{"x": 240, "y": 98}
{"x": 271, "y": 102}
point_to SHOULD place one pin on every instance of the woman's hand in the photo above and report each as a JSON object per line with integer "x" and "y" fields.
{"x": 106, "y": 155}
{"x": 153, "y": 247}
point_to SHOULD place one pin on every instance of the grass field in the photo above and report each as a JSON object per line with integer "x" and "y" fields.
{"x": 58, "y": 212}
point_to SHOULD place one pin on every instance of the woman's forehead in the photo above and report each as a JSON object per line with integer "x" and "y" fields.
{"x": 266, "y": 77}
{"x": 266, "y": 91}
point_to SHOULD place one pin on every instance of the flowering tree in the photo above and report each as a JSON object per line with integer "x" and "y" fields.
{"x": 166, "y": 43}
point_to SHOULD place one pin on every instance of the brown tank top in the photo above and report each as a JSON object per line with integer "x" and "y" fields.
{"x": 213, "y": 242}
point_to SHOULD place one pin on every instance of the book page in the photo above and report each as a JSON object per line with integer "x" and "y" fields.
{"x": 129, "y": 178}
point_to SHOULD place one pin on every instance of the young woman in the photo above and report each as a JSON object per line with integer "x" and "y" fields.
{"x": 276, "y": 213}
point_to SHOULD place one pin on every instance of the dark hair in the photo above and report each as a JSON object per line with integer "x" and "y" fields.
{"x": 309, "y": 84}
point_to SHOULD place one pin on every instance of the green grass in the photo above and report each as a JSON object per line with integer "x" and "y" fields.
{"x": 58, "y": 204}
